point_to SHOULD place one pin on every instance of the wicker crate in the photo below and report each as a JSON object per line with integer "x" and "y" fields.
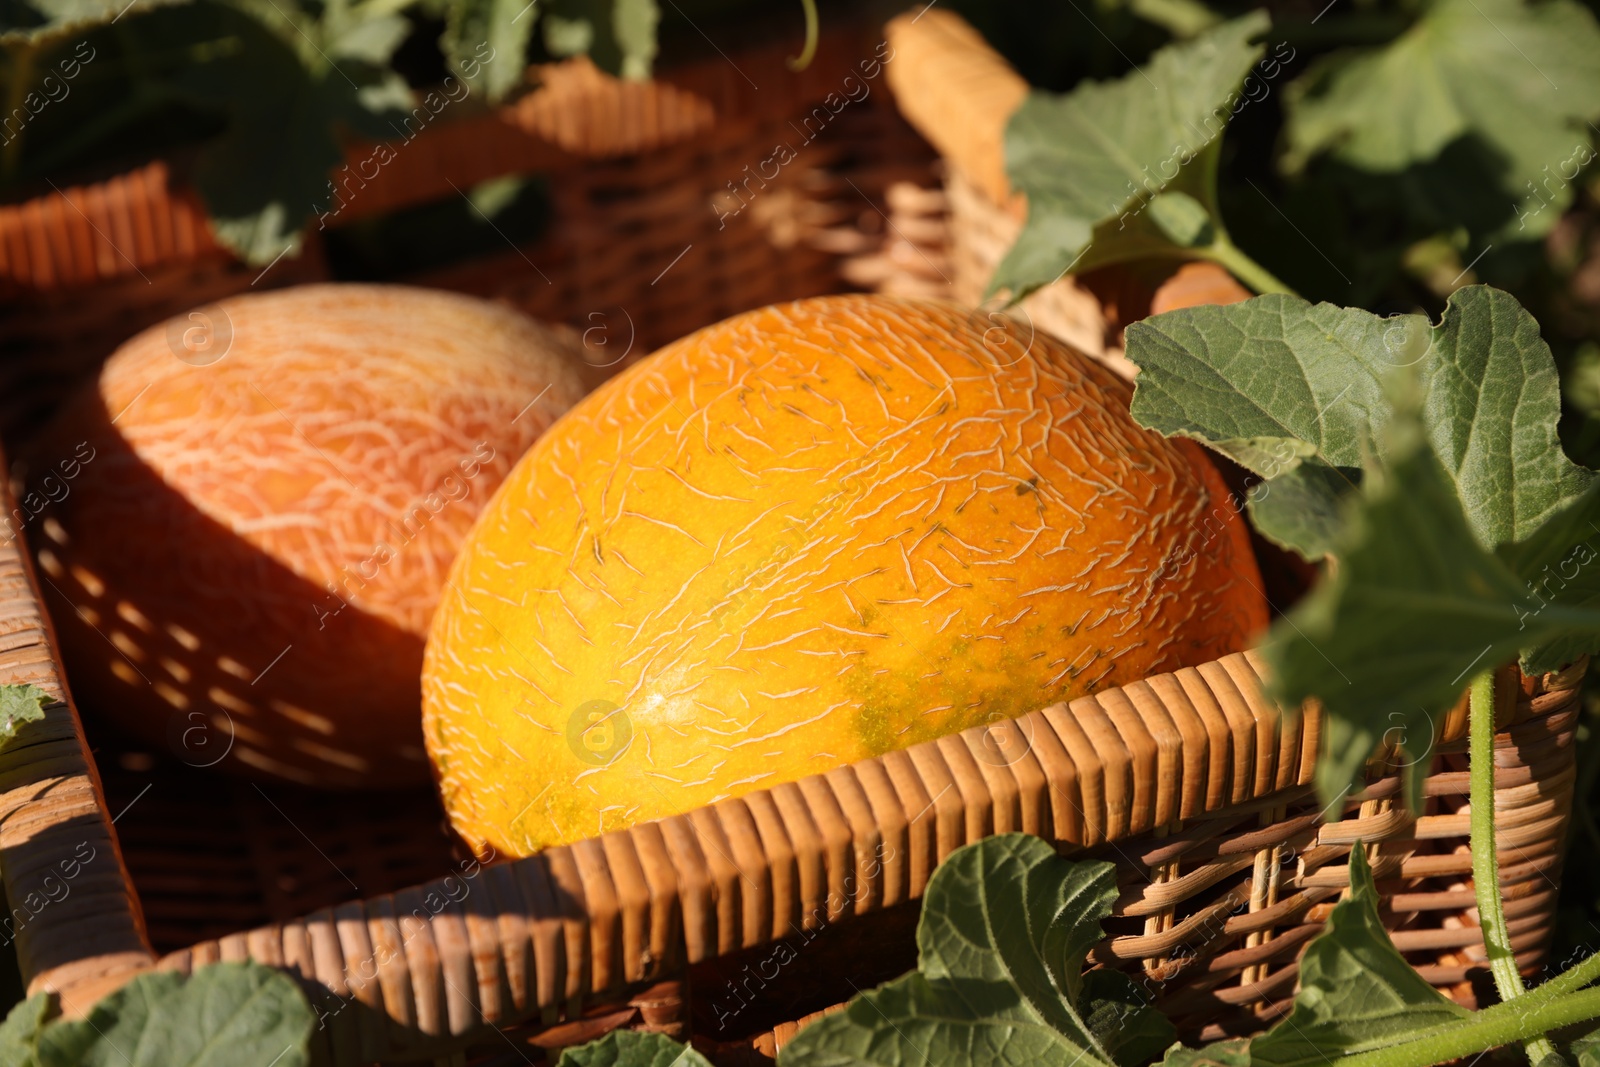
{"x": 1192, "y": 783}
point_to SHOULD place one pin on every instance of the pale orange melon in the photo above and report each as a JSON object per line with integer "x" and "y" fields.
{"x": 263, "y": 502}
{"x": 810, "y": 534}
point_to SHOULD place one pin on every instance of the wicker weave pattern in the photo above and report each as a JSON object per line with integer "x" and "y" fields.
{"x": 104, "y": 230}
{"x": 1193, "y": 782}
{"x": 74, "y": 920}
{"x": 143, "y": 219}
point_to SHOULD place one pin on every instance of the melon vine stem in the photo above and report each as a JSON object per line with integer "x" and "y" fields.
{"x": 1225, "y": 253}
{"x": 1485, "y": 1029}
{"x": 803, "y": 60}
{"x": 1485, "y": 861}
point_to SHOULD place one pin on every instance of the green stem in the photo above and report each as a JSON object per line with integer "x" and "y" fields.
{"x": 1575, "y": 977}
{"x": 1482, "y": 1030}
{"x": 1227, "y": 254}
{"x": 1485, "y": 861}
{"x": 803, "y": 60}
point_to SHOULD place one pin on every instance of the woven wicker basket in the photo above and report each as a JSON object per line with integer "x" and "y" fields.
{"x": 1192, "y": 783}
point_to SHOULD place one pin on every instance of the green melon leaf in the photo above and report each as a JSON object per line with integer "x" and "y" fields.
{"x": 1415, "y": 609}
{"x": 1493, "y": 401}
{"x": 1303, "y": 508}
{"x": 1091, "y": 160}
{"x": 224, "y": 1015}
{"x": 1232, "y": 1053}
{"x": 1518, "y": 78}
{"x": 1586, "y": 1049}
{"x": 1276, "y": 383}
{"x": 1271, "y": 380}
{"x": 631, "y": 1048}
{"x": 268, "y": 172}
{"x": 40, "y": 24}
{"x": 19, "y": 1034}
{"x": 1287, "y": 389}
{"x": 1558, "y": 566}
{"x": 20, "y": 704}
{"x": 1006, "y": 926}
{"x": 371, "y": 40}
{"x": 1120, "y": 1016}
{"x": 1468, "y": 544}
{"x": 633, "y": 28}
{"x": 1357, "y": 992}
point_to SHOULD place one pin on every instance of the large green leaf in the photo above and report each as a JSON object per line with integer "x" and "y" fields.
{"x": 1356, "y": 991}
{"x": 1093, "y": 162}
{"x": 1302, "y": 508}
{"x": 1118, "y": 1012}
{"x": 20, "y": 704}
{"x": 630, "y": 1048}
{"x": 366, "y": 40}
{"x": 633, "y": 28}
{"x": 1520, "y": 78}
{"x": 1415, "y": 608}
{"x": 40, "y": 24}
{"x": 273, "y": 90}
{"x": 1558, "y": 566}
{"x": 1006, "y": 925}
{"x": 1467, "y": 546}
{"x": 1277, "y": 383}
{"x": 278, "y": 160}
{"x": 1269, "y": 381}
{"x": 19, "y": 1034}
{"x": 225, "y": 1015}
{"x": 1493, "y": 401}
{"x": 1181, "y": 18}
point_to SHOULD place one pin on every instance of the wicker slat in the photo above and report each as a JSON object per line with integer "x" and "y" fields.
{"x": 74, "y": 919}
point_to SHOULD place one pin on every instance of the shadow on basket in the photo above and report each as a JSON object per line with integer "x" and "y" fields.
{"x": 184, "y": 668}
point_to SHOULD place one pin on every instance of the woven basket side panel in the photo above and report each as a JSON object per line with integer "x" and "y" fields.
{"x": 1216, "y": 908}
{"x": 73, "y": 919}
{"x": 641, "y": 249}
{"x": 83, "y": 234}
{"x": 644, "y": 250}
{"x": 1193, "y": 783}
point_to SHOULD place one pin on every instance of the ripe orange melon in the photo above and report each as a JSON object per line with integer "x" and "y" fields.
{"x": 810, "y": 534}
{"x": 244, "y": 525}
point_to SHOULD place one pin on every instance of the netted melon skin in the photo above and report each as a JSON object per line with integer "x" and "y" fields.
{"x": 806, "y": 535}
{"x": 244, "y": 563}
